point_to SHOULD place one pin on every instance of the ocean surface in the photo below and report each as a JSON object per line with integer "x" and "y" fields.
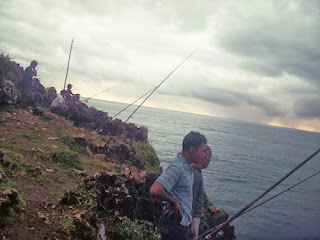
{"x": 248, "y": 158}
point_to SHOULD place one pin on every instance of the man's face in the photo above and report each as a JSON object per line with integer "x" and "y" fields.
{"x": 199, "y": 154}
{"x": 206, "y": 160}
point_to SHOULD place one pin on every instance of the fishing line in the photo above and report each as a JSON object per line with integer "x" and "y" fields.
{"x": 123, "y": 109}
{"x": 215, "y": 231}
{"x": 159, "y": 85}
{"x": 86, "y": 100}
{"x": 57, "y": 74}
{"x": 288, "y": 189}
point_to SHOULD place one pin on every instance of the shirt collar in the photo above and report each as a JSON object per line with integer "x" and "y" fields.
{"x": 183, "y": 161}
{"x": 196, "y": 168}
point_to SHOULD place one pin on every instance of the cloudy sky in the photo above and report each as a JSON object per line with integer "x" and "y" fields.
{"x": 257, "y": 61}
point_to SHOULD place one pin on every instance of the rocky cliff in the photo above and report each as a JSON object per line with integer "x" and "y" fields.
{"x": 61, "y": 179}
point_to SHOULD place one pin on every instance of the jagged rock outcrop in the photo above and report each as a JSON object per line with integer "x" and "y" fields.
{"x": 124, "y": 195}
{"x": 5, "y": 161}
{"x": 11, "y": 75}
{"x": 8, "y": 200}
{"x": 128, "y": 195}
{"x": 90, "y": 118}
{"x": 8, "y": 92}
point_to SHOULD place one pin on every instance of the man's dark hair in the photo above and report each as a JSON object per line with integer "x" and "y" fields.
{"x": 34, "y": 62}
{"x": 193, "y": 139}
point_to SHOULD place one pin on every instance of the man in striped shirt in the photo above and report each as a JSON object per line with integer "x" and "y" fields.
{"x": 174, "y": 186}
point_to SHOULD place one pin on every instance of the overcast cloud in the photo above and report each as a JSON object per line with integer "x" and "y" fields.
{"x": 257, "y": 61}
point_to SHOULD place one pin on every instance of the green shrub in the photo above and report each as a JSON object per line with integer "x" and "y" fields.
{"x": 78, "y": 148}
{"x": 67, "y": 159}
{"x": 66, "y": 139}
{"x": 134, "y": 230}
{"x": 148, "y": 154}
{"x": 73, "y": 145}
{"x": 48, "y": 117}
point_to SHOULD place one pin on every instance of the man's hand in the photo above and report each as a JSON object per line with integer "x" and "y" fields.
{"x": 192, "y": 232}
{"x": 172, "y": 208}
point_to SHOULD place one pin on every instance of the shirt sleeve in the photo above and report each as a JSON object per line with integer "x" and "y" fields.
{"x": 170, "y": 177}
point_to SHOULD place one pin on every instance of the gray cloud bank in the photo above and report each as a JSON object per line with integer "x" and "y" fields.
{"x": 261, "y": 55}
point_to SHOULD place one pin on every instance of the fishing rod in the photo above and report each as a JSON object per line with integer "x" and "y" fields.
{"x": 159, "y": 85}
{"x": 286, "y": 190}
{"x": 122, "y": 109}
{"x": 269, "y": 199}
{"x": 223, "y": 225}
{"x": 65, "y": 81}
{"x": 85, "y": 100}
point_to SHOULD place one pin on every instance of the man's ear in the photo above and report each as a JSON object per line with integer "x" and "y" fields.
{"x": 192, "y": 149}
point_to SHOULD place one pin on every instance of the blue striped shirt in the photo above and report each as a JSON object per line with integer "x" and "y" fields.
{"x": 178, "y": 182}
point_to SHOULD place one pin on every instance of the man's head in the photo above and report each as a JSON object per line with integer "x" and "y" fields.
{"x": 69, "y": 86}
{"x": 193, "y": 147}
{"x": 63, "y": 93}
{"x": 34, "y": 64}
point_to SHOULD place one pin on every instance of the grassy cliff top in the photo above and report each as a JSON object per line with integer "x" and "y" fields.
{"x": 43, "y": 157}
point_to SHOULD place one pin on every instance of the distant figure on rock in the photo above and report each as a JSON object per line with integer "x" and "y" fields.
{"x": 58, "y": 104}
{"x": 26, "y": 82}
{"x": 71, "y": 96}
{"x": 198, "y": 190}
{"x": 174, "y": 186}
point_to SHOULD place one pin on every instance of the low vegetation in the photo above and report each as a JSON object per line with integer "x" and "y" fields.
{"x": 43, "y": 157}
{"x": 134, "y": 230}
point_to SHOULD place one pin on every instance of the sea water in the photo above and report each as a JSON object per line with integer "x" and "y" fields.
{"x": 248, "y": 158}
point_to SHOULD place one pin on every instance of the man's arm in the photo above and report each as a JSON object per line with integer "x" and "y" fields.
{"x": 158, "y": 191}
{"x": 34, "y": 72}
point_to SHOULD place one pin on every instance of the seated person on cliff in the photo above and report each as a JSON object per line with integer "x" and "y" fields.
{"x": 71, "y": 96}
{"x": 59, "y": 105}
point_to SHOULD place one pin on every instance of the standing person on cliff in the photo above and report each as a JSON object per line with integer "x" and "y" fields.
{"x": 198, "y": 190}
{"x": 26, "y": 82}
{"x": 174, "y": 186}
